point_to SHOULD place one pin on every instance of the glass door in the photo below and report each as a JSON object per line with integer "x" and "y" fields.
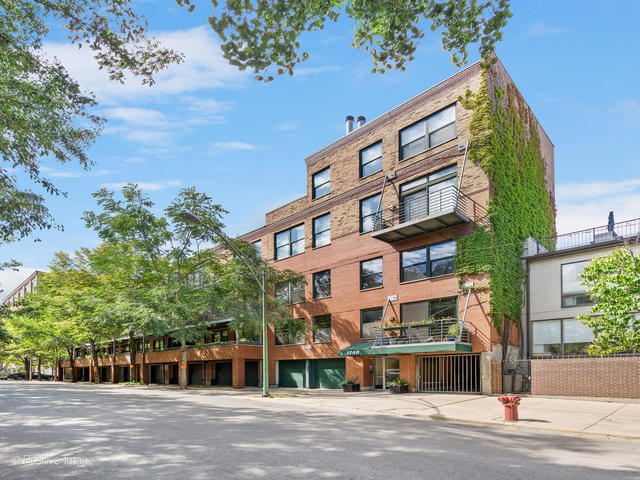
{"x": 378, "y": 373}
{"x": 385, "y": 369}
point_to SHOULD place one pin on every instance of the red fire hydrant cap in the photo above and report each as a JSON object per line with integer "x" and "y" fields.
{"x": 509, "y": 399}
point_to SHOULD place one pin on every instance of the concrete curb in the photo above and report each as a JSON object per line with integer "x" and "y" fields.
{"x": 636, "y": 438}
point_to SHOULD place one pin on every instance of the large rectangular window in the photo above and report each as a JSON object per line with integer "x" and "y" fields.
{"x": 290, "y": 242}
{"x": 368, "y": 210}
{"x": 429, "y": 261}
{"x": 322, "y": 230}
{"x": 283, "y": 337}
{"x": 258, "y": 246}
{"x": 371, "y": 273}
{"x": 429, "y": 194}
{"x": 573, "y": 292}
{"x": 428, "y": 132}
{"x": 322, "y": 284}
{"x": 290, "y": 292}
{"x": 560, "y": 337}
{"x": 322, "y": 329}
{"x": 438, "y": 309}
{"x": 370, "y": 322}
{"x": 371, "y": 159}
{"x": 321, "y": 183}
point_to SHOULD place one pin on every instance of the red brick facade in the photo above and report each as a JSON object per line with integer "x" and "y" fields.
{"x": 613, "y": 377}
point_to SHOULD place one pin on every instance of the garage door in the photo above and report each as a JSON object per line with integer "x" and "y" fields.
{"x": 251, "y": 374}
{"x": 224, "y": 373}
{"x": 291, "y": 373}
{"x": 329, "y": 372}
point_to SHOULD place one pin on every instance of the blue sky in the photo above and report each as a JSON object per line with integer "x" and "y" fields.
{"x": 244, "y": 142}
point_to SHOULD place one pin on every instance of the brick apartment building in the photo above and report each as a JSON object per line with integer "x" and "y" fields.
{"x": 375, "y": 238}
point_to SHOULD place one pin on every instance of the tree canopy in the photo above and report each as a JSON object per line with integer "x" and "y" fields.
{"x": 613, "y": 282}
{"x": 266, "y": 37}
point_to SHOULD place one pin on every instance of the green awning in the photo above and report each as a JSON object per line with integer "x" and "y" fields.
{"x": 367, "y": 348}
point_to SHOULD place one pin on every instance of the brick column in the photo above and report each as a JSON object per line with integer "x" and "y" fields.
{"x": 208, "y": 373}
{"x": 167, "y": 373}
{"x": 144, "y": 373}
{"x": 238, "y": 372}
{"x": 408, "y": 370}
{"x": 359, "y": 367}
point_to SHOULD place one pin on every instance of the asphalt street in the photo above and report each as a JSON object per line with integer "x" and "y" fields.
{"x": 50, "y": 430}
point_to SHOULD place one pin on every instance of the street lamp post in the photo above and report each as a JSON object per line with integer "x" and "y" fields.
{"x": 260, "y": 278}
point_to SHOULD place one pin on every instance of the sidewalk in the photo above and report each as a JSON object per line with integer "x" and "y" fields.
{"x": 591, "y": 417}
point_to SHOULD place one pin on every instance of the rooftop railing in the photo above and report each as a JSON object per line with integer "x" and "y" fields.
{"x": 421, "y": 332}
{"x": 582, "y": 238}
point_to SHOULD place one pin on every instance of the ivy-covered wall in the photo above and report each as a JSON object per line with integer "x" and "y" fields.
{"x": 504, "y": 143}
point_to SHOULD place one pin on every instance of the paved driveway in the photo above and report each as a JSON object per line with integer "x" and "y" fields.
{"x": 84, "y": 431}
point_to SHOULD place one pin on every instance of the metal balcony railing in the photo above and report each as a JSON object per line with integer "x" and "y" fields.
{"x": 418, "y": 332}
{"x": 620, "y": 231}
{"x": 446, "y": 200}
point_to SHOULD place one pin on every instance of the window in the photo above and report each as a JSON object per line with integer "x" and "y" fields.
{"x": 371, "y": 273}
{"x": 322, "y": 329}
{"x": 560, "y": 337}
{"x": 220, "y": 336}
{"x": 322, "y": 230}
{"x": 370, "y": 322}
{"x": 158, "y": 344}
{"x": 321, "y": 183}
{"x": 322, "y": 284}
{"x": 573, "y": 293}
{"x": 368, "y": 210}
{"x": 429, "y": 261}
{"x": 290, "y": 292}
{"x": 258, "y": 246}
{"x": 371, "y": 159}
{"x": 439, "y": 309}
{"x": 283, "y": 337}
{"x": 290, "y": 242}
{"x": 428, "y": 194}
{"x": 428, "y": 132}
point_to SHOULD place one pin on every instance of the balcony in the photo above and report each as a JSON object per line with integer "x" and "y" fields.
{"x": 431, "y": 212}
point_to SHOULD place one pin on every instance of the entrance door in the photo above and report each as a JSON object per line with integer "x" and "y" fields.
{"x": 385, "y": 369}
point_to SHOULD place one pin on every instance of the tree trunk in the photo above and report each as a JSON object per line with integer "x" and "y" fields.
{"x": 27, "y": 368}
{"x": 132, "y": 358}
{"x": 39, "y": 368}
{"x": 183, "y": 365}
{"x": 94, "y": 357}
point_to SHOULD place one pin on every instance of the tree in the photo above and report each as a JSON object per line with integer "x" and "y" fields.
{"x": 264, "y": 36}
{"x": 43, "y": 112}
{"x": 613, "y": 282}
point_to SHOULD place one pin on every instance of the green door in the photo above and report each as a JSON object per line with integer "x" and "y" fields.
{"x": 291, "y": 373}
{"x": 329, "y": 372}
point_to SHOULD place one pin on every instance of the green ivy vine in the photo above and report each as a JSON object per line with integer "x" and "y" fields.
{"x": 504, "y": 142}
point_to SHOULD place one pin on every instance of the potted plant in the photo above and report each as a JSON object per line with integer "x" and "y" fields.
{"x": 453, "y": 332}
{"x": 351, "y": 385}
{"x": 398, "y": 386}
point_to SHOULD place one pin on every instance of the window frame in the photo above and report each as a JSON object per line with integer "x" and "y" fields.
{"x": 562, "y": 294}
{"x": 361, "y": 165}
{"x": 362, "y": 313}
{"x": 314, "y": 186}
{"x": 277, "y": 344}
{"x": 428, "y": 301}
{"x": 289, "y": 230}
{"x": 362, "y": 200}
{"x": 290, "y": 291}
{"x": 322, "y": 317}
{"x": 428, "y": 132}
{"x": 381, "y": 272}
{"x": 427, "y": 261}
{"x": 257, "y": 244}
{"x": 315, "y": 233}
{"x": 313, "y": 280}
{"x": 562, "y": 339}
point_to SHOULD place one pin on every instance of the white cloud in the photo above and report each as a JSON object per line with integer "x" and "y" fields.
{"x": 203, "y": 68}
{"x": 137, "y": 116}
{"x": 302, "y": 71}
{"x": 149, "y": 137}
{"x": 144, "y": 185}
{"x": 55, "y": 173}
{"x": 586, "y": 205}
{"x": 627, "y": 110}
{"x": 539, "y": 29}
{"x": 288, "y": 126}
{"x": 235, "y": 146}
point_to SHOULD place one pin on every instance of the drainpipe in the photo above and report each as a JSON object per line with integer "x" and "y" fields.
{"x": 464, "y": 163}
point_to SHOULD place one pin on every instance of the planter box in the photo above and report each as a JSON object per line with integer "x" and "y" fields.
{"x": 400, "y": 389}
{"x": 351, "y": 387}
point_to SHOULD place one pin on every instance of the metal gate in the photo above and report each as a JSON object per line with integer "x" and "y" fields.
{"x": 449, "y": 373}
